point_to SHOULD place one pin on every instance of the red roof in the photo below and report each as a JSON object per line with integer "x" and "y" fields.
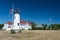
{"x": 23, "y": 22}
{"x": 10, "y": 23}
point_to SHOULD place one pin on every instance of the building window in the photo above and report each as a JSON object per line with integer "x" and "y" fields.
{"x": 9, "y": 26}
{"x": 18, "y": 24}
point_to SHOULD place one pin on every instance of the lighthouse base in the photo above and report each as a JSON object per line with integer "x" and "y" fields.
{"x": 15, "y": 31}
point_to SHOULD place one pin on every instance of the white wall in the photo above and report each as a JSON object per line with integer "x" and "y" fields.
{"x": 16, "y": 21}
{"x": 25, "y": 27}
{"x": 6, "y": 27}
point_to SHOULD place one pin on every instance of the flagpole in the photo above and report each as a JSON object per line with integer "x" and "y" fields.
{"x": 12, "y": 15}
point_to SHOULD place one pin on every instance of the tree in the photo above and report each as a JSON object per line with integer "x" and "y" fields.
{"x": 58, "y": 25}
{"x": 49, "y": 27}
{"x": 54, "y": 26}
{"x": 44, "y": 26}
{"x": 33, "y": 25}
{"x": 1, "y": 26}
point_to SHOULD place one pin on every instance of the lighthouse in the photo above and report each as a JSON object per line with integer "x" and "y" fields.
{"x": 16, "y": 24}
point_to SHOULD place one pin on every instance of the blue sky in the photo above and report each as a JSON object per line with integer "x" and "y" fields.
{"x": 39, "y": 11}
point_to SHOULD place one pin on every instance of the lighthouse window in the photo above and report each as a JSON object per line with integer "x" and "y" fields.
{"x": 18, "y": 24}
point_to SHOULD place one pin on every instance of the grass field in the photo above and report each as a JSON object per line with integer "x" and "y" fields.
{"x": 31, "y": 35}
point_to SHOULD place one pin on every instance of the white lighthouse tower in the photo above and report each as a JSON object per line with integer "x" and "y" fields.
{"x": 16, "y": 25}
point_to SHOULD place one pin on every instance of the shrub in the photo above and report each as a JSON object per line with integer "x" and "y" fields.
{"x": 12, "y": 32}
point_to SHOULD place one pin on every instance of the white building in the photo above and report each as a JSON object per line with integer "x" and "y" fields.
{"x": 17, "y": 24}
{"x": 40, "y": 25}
{"x": 24, "y": 25}
{"x": 7, "y": 26}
